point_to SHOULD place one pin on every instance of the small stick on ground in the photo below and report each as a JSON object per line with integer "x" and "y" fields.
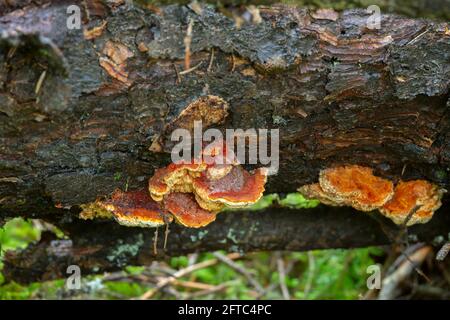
{"x": 241, "y": 270}
{"x": 183, "y": 272}
{"x": 282, "y": 277}
{"x": 443, "y": 252}
{"x": 391, "y": 282}
{"x": 205, "y": 292}
{"x": 193, "y": 285}
{"x": 11, "y": 52}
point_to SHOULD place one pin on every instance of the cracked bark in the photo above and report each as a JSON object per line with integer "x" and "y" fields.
{"x": 80, "y": 110}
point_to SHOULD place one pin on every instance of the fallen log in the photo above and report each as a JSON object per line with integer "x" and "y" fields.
{"x": 106, "y": 246}
{"x": 85, "y": 111}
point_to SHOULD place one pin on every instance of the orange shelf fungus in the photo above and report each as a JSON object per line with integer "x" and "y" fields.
{"x": 357, "y": 187}
{"x": 413, "y": 195}
{"x": 187, "y": 211}
{"x": 189, "y": 193}
{"x": 175, "y": 177}
{"x": 238, "y": 188}
{"x": 314, "y": 191}
{"x": 135, "y": 209}
{"x": 212, "y": 182}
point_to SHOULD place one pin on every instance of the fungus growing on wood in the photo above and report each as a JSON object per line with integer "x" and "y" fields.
{"x": 208, "y": 109}
{"x": 419, "y": 195}
{"x": 174, "y": 177}
{"x": 187, "y": 211}
{"x": 238, "y": 188}
{"x": 353, "y": 186}
{"x": 314, "y": 191}
{"x": 356, "y": 186}
{"x": 213, "y": 183}
{"x": 135, "y": 209}
{"x": 93, "y": 210}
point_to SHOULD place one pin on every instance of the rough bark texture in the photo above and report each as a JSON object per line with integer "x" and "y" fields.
{"x": 79, "y": 111}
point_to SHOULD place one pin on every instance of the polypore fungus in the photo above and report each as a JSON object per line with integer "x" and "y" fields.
{"x": 314, "y": 191}
{"x": 207, "y": 109}
{"x": 216, "y": 181}
{"x": 175, "y": 177}
{"x": 419, "y": 195}
{"x": 186, "y": 210}
{"x": 356, "y": 186}
{"x": 238, "y": 188}
{"x": 135, "y": 209}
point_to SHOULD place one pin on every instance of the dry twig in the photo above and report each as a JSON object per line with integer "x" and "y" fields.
{"x": 183, "y": 272}
{"x": 241, "y": 270}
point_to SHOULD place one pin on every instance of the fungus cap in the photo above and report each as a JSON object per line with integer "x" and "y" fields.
{"x": 175, "y": 177}
{"x": 238, "y": 188}
{"x": 186, "y": 210}
{"x": 356, "y": 186}
{"x": 135, "y": 209}
{"x": 314, "y": 191}
{"x": 409, "y": 195}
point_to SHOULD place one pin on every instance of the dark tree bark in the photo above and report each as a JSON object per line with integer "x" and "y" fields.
{"x": 83, "y": 112}
{"x": 106, "y": 246}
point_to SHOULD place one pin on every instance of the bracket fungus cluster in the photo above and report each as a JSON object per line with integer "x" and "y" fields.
{"x": 135, "y": 209}
{"x": 214, "y": 181}
{"x": 189, "y": 193}
{"x": 419, "y": 195}
{"x": 409, "y": 202}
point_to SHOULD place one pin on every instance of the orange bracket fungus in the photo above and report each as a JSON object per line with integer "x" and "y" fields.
{"x": 358, "y": 187}
{"x": 190, "y": 193}
{"x": 213, "y": 186}
{"x": 186, "y": 210}
{"x": 238, "y": 188}
{"x": 135, "y": 209}
{"x": 418, "y": 195}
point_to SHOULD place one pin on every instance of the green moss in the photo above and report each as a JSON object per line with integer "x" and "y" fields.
{"x": 297, "y": 201}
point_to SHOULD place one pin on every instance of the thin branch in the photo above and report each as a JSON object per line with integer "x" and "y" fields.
{"x": 183, "y": 272}
{"x": 282, "y": 277}
{"x": 241, "y": 270}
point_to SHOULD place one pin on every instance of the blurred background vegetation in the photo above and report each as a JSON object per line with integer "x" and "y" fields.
{"x": 326, "y": 274}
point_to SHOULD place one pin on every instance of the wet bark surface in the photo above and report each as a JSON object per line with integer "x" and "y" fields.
{"x": 85, "y": 111}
